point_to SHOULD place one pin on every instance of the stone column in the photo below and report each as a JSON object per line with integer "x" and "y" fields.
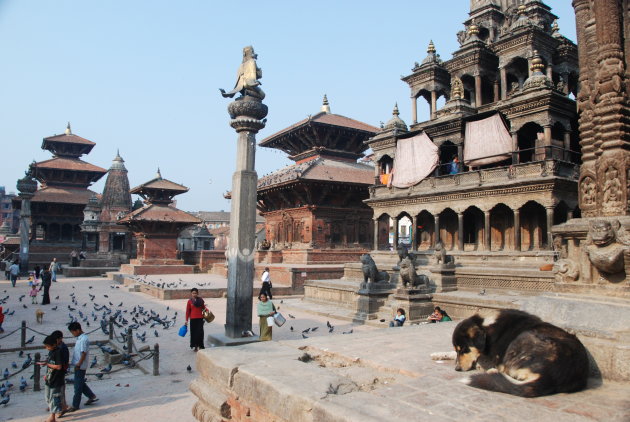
{"x": 437, "y": 228}
{"x": 549, "y": 225}
{"x": 460, "y": 231}
{"x": 478, "y": 91}
{"x": 565, "y": 78}
{"x": 547, "y": 140}
{"x": 460, "y": 155}
{"x": 515, "y": 159}
{"x": 376, "y": 234}
{"x": 496, "y": 91}
{"x": 414, "y": 233}
{"x": 503, "y": 83}
{"x": 414, "y": 110}
{"x": 433, "y": 104}
{"x": 246, "y": 113}
{"x": 567, "y": 146}
{"x": 486, "y": 231}
{"x": 26, "y": 187}
{"x": 396, "y": 221}
{"x": 517, "y": 230}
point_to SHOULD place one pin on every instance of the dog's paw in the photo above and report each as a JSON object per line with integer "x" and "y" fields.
{"x": 466, "y": 380}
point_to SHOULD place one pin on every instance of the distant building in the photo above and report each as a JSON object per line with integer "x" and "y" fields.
{"x": 217, "y": 224}
{"x": 7, "y": 212}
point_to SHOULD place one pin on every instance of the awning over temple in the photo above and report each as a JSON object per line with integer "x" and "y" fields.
{"x": 416, "y": 158}
{"x": 487, "y": 141}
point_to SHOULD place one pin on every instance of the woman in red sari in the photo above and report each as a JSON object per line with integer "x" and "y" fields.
{"x": 194, "y": 309}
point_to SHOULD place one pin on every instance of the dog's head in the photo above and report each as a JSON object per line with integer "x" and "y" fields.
{"x": 469, "y": 340}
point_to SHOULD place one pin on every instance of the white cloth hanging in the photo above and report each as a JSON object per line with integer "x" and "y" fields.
{"x": 487, "y": 141}
{"x": 415, "y": 159}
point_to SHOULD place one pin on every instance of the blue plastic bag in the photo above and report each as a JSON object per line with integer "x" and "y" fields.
{"x": 183, "y": 330}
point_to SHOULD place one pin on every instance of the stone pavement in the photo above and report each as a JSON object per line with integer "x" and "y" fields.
{"x": 380, "y": 375}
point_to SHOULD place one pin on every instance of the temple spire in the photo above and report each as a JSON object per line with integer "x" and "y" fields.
{"x": 431, "y": 47}
{"x": 325, "y": 105}
{"x": 68, "y": 129}
{"x": 158, "y": 175}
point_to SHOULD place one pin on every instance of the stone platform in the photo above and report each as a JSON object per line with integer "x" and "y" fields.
{"x": 374, "y": 376}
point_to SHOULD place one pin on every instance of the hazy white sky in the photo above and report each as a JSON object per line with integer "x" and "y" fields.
{"x": 143, "y": 76}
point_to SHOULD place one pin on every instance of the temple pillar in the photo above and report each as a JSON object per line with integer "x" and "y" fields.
{"x": 396, "y": 221}
{"x": 486, "y": 231}
{"x": 496, "y": 91}
{"x": 550, "y": 71}
{"x": 547, "y": 140}
{"x": 549, "y": 234}
{"x": 26, "y": 188}
{"x": 433, "y": 104}
{"x": 504, "y": 87}
{"x": 565, "y": 78}
{"x": 460, "y": 155}
{"x": 567, "y": 146}
{"x": 515, "y": 159}
{"x": 517, "y": 230}
{"x": 375, "y": 242}
{"x": 414, "y": 233}
{"x": 414, "y": 110}
{"x": 437, "y": 229}
{"x": 460, "y": 231}
{"x": 478, "y": 102}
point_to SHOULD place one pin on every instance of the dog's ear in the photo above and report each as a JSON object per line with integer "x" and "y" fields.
{"x": 478, "y": 336}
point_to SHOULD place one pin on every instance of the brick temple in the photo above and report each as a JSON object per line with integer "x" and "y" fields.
{"x": 156, "y": 226}
{"x": 57, "y": 205}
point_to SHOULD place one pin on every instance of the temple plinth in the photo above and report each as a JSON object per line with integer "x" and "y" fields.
{"x": 156, "y": 226}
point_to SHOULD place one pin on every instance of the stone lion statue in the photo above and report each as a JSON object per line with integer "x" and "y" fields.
{"x": 370, "y": 271}
{"x": 408, "y": 274}
{"x": 606, "y": 245}
{"x": 440, "y": 254}
{"x": 403, "y": 252}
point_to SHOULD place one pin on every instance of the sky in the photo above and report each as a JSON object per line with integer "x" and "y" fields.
{"x": 143, "y": 76}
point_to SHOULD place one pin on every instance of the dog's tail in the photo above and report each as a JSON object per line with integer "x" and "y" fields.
{"x": 505, "y": 384}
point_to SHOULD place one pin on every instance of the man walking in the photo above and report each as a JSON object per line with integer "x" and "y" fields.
{"x": 266, "y": 283}
{"x": 80, "y": 356}
{"x": 14, "y": 271}
{"x": 53, "y": 269}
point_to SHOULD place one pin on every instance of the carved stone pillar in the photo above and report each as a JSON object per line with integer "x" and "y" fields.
{"x": 375, "y": 234}
{"x": 567, "y": 146}
{"x": 460, "y": 231}
{"x": 517, "y": 230}
{"x": 515, "y": 159}
{"x": 496, "y": 91}
{"x": 486, "y": 231}
{"x": 503, "y": 83}
{"x": 437, "y": 229}
{"x": 396, "y": 221}
{"x": 414, "y": 233}
{"x": 549, "y": 211}
{"x": 433, "y": 104}
{"x": 547, "y": 140}
{"x": 414, "y": 110}
{"x": 478, "y": 102}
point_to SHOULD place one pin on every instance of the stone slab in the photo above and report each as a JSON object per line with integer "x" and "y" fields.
{"x": 217, "y": 340}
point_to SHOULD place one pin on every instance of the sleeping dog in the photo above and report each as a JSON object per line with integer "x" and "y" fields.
{"x": 524, "y": 355}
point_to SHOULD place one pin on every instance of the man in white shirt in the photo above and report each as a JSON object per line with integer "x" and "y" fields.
{"x": 14, "y": 271}
{"x": 79, "y": 362}
{"x": 53, "y": 268}
{"x": 266, "y": 283}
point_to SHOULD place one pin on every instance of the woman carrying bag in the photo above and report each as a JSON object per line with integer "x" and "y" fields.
{"x": 195, "y": 313}
{"x": 265, "y": 310}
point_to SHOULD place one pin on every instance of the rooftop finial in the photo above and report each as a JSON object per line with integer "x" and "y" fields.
{"x": 68, "y": 129}
{"x": 431, "y": 47}
{"x": 555, "y": 29}
{"x": 325, "y": 105}
{"x": 159, "y": 175}
{"x": 395, "y": 112}
{"x": 538, "y": 65}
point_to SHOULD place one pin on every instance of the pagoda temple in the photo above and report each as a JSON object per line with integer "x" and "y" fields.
{"x": 156, "y": 226}
{"x": 57, "y": 205}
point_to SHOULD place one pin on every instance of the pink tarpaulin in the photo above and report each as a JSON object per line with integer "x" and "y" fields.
{"x": 415, "y": 159}
{"x": 486, "y": 138}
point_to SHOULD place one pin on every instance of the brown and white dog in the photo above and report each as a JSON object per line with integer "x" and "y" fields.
{"x": 523, "y": 355}
{"x": 39, "y": 316}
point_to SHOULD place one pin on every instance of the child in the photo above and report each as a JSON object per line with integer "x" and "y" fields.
{"x": 436, "y": 316}
{"x": 54, "y": 378}
{"x": 400, "y": 318}
{"x": 1, "y": 320}
{"x": 33, "y": 293}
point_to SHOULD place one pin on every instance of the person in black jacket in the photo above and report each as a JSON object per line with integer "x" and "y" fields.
{"x": 46, "y": 281}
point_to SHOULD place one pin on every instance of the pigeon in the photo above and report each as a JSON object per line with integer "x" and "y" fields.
{"x": 156, "y": 333}
{"x": 99, "y": 376}
{"x": 5, "y": 401}
{"x": 330, "y": 330}
{"x": 382, "y": 320}
{"x": 291, "y": 316}
{"x": 24, "y": 306}
{"x": 5, "y": 374}
{"x": 304, "y": 335}
{"x": 348, "y": 332}
{"x": 188, "y": 368}
{"x": 107, "y": 368}
{"x": 30, "y": 340}
{"x": 14, "y": 365}
{"x": 23, "y": 384}
{"x": 93, "y": 363}
{"x": 305, "y": 358}
{"x": 27, "y": 362}
{"x": 291, "y": 328}
{"x": 54, "y": 308}
{"x": 328, "y": 324}
{"x": 21, "y": 353}
{"x": 56, "y": 297}
{"x": 482, "y": 292}
{"x": 306, "y": 331}
{"x": 3, "y": 390}
{"x": 314, "y": 329}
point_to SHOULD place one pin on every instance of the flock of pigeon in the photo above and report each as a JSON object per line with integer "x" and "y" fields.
{"x": 329, "y": 326}
{"x": 180, "y": 284}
